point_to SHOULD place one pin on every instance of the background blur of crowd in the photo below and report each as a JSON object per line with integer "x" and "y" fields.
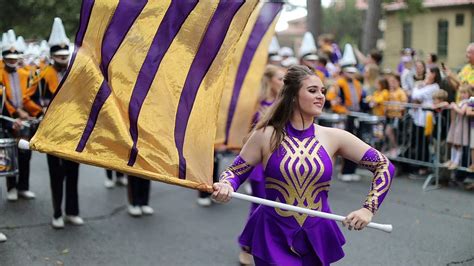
{"x": 400, "y": 109}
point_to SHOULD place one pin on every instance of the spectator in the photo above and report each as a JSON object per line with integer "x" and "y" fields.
{"x": 420, "y": 73}
{"x": 393, "y": 111}
{"x": 431, "y": 60}
{"x": 371, "y": 69}
{"x": 423, "y": 96}
{"x": 405, "y": 52}
{"x": 470, "y": 114}
{"x": 407, "y": 76}
{"x": 466, "y": 75}
{"x": 458, "y": 130}
{"x": 380, "y": 96}
{"x": 450, "y": 84}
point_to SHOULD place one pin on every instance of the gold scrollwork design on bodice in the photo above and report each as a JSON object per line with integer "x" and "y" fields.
{"x": 300, "y": 188}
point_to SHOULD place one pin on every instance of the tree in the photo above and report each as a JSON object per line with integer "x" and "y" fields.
{"x": 33, "y": 19}
{"x": 314, "y": 17}
{"x": 344, "y": 21}
{"x": 371, "y": 30}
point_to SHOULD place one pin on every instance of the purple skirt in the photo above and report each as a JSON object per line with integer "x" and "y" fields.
{"x": 280, "y": 240}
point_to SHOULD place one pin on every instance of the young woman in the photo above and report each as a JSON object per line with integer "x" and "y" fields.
{"x": 297, "y": 156}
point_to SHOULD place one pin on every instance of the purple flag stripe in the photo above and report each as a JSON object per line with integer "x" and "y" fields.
{"x": 264, "y": 20}
{"x": 102, "y": 95}
{"x": 208, "y": 49}
{"x": 86, "y": 10}
{"x": 124, "y": 16}
{"x": 169, "y": 27}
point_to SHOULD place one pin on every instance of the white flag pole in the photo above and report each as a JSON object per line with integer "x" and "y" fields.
{"x": 383, "y": 227}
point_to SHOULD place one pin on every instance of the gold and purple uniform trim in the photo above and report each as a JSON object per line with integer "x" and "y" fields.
{"x": 237, "y": 172}
{"x": 383, "y": 171}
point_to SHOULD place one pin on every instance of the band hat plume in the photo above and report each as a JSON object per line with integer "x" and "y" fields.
{"x": 308, "y": 47}
{"x": 9, "y": 45}
{"x": 44, "y": 48}
{"x": 58, "y": 41}
{"x": 348, "y": 57}
{"x": 274, "y": 46}
{"x": 142, "y": 92}
{"x": 21, "y": 45}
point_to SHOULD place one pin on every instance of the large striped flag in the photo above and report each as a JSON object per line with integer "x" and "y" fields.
{"x": 240, "y": 96}
{"x": 142, "y": 92}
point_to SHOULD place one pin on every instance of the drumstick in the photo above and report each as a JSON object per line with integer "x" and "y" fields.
{"x": 13, "y": 120}
{"x": 382, "y": 227}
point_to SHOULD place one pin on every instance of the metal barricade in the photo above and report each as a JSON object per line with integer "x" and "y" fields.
{"x": 420, "y": 146}
{"x": 369, "y": 128}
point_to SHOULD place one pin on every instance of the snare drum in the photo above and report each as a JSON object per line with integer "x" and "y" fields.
{"x": 332, "y": 120}
{"x": 8, "y": 157}
{"x": 28, "y": 132}
{"x": 369, "y": 128}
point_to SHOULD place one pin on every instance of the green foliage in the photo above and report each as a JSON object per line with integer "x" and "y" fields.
{"x": 413, "y": 7}
{"x": 345, "y": 22}
{"x": 33, "y": 19}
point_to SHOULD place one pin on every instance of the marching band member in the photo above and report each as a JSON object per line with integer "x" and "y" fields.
{"x": 18, "y": 105}
{"x": 347, "y": 95}
{"x": 139, "y": 196}
{"x": 110, "y": 182}
{"x": 308, "y": 55}
{"x": 60, "y": 170}
{"x": 297, "y": 157}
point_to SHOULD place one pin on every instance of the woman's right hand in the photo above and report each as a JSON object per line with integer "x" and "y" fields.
{"x": 222, "y": 191}
{"x": 22, "y": 114}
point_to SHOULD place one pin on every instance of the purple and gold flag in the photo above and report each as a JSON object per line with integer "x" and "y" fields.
{"x": 142, "y": 92}
{"x": 240, "y": 96}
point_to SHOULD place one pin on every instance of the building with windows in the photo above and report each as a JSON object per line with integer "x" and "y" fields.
{"x": 446, "y": 27}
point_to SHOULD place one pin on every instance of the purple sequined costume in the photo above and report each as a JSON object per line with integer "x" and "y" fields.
{"x": 297, "y": 173}
{"x": 257, "y": 179}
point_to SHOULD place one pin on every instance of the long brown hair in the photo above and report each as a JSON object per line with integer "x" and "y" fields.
{"x": 282, "y": 110}
{"x": 270, "y": 72}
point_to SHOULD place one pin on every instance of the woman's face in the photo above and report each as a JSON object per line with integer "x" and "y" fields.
{"x": 393, "y": 82}
{"x": 430, "y": 77}
{"x": 311, "y": 96}
{"x": 464, "y": 95}
{"x": 420, "y": 70}
{"x": 276, "y": 82}
{"x": 378, "y": 86}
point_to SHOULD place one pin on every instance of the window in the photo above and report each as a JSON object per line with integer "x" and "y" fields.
{"x": 459, "y": 19}
{"x": 406, "y": 35}
{"x": 443, "y": 37}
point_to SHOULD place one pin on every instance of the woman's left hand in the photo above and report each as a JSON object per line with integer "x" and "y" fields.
{"x": 358, "y": 219}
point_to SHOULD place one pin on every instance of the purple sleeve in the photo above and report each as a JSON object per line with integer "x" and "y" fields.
{"x": 237, "y": 172}
{"x": 383, "y": 171}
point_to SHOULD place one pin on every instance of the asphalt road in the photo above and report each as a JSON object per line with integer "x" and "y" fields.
{"x": 430, "y": 228}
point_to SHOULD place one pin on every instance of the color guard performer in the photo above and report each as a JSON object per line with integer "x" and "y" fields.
{"x": 297, "y": 157}
{"x": 18, "y": 104}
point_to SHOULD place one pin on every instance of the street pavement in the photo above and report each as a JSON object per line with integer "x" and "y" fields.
{"x": 430, "y": 228}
